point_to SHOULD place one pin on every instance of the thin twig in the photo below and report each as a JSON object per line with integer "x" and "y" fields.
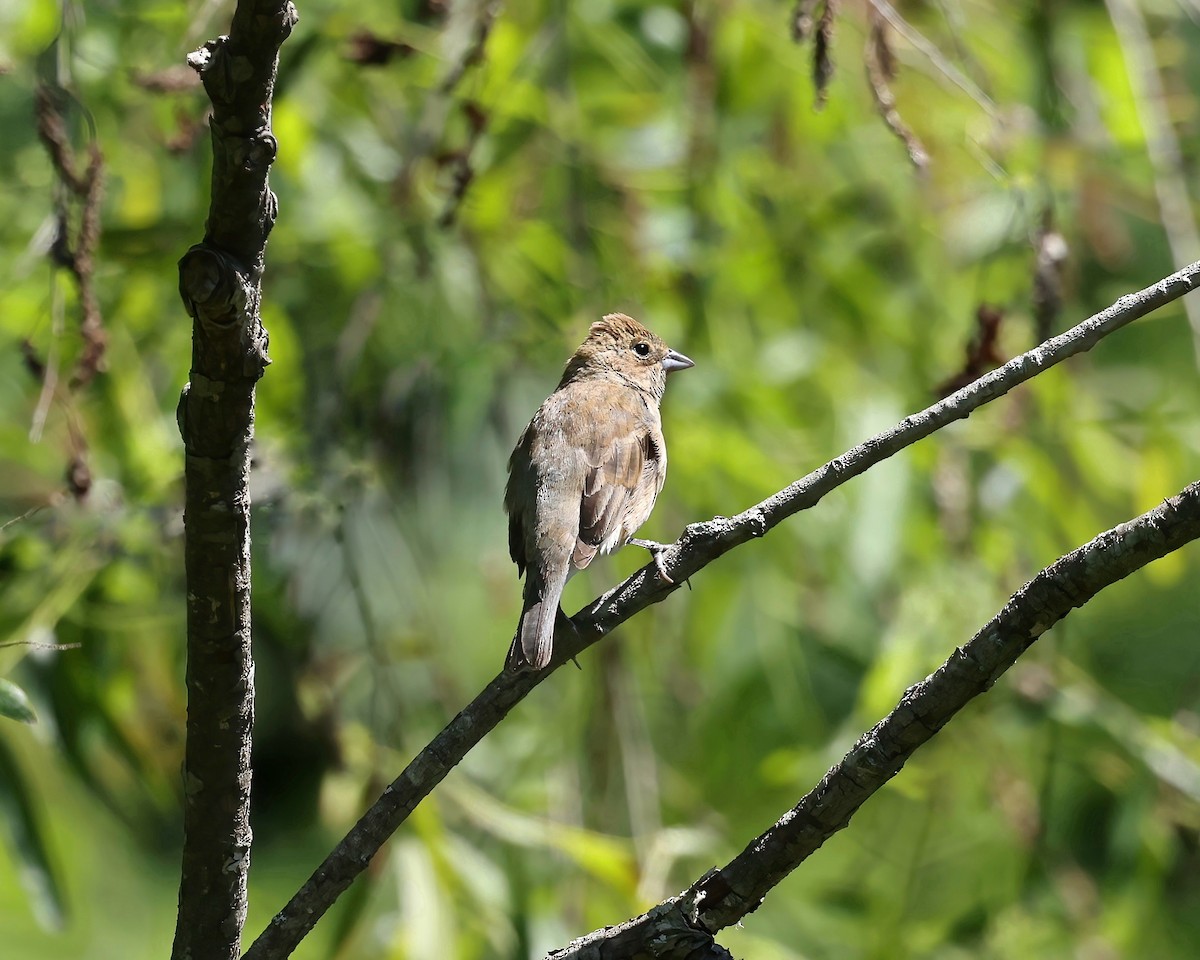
{"x": 700, "y": 544}
{"x": 459, "y": 161}
{"x": 24, "y": 516}
{"x": 880, "y": 63}
{"x": 431, "y": 128}
{"x": 1162, "y": 144}
{"x": 75, "y": 253}
{"x": 1050, "y": 256}
{"x": 33, "y": 644}
{"x": 50, "y": 367}
{"x": 473, "y": 54}
{"x": 936, "y": 57}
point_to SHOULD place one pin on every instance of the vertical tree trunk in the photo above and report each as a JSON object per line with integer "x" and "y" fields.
{"x": 220, "y": 282}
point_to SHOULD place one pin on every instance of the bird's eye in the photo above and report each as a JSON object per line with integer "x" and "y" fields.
{"x": 642, "y": 348}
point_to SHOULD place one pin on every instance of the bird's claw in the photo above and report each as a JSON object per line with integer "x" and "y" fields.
{"x": 656, "y": 551}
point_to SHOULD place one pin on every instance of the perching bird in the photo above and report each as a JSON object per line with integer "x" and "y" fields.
{"x": 586, "y": 470}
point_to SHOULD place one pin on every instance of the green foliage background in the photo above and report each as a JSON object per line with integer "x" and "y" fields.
{"x": 664, "y": 160}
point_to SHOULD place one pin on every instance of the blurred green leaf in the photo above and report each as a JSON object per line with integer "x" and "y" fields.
{"x": 28, "y": 843}
{"x": 14, "y": 703}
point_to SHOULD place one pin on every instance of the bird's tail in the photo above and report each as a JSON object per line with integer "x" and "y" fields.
{"x": 534, "y": 643}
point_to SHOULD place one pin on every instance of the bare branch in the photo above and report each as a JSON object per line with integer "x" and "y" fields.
{"x": 700, "y": 544}
{"x": 723, "y": 897}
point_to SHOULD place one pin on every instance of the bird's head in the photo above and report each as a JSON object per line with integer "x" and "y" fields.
{"x": 619, "y": 345}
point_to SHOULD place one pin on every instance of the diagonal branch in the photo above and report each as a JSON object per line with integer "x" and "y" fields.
{"x": 700, "y": 544}
{"x": 723, "y": 897}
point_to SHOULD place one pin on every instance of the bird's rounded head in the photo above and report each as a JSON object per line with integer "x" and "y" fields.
{"x": 619, "y": 345}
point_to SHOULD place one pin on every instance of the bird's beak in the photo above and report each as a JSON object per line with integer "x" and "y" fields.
{"x": 674, "y": 360}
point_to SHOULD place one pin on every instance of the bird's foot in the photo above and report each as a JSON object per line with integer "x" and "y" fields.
{"x": 656, "y": 551}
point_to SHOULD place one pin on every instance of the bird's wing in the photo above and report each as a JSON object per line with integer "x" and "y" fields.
{"x": 519, "y": 479}
{"x": 622, "y": 480}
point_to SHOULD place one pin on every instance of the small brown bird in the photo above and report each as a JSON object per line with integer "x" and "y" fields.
{"x": 586, "y": 471}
